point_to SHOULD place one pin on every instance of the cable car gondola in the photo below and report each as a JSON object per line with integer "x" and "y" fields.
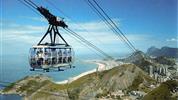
{"x": 46, "y": 56}
{"x": 51, "y": 54}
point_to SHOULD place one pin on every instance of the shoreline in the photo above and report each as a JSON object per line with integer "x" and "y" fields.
{"x": 100, "y": 67}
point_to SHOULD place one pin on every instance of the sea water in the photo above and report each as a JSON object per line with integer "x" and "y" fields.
{"x": 16, "y": 67}
{"x": 10, "y": 97}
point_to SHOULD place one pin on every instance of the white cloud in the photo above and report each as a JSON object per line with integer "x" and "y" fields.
{"x": 97, "y": 33}
{"x": 91, "y": 26}
{"x": 172, "y": 40}
{"x": 22, "y": 33}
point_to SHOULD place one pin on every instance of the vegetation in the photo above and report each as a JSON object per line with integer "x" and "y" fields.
{"x": 41, "y": 95}
{"x": 27, "y": 85}
{"x": 103, "y": 94}
{"x": 56, "y": 87}
{"x": 98, "y": 84}
{"x": 31, "y": 87}
{"x": 85, "y": 79}
{"x": 13, "y": 84}
{"x": 163, "y": 92}
{"x": 135, "y": 84}
{"x": 9, "y": 87}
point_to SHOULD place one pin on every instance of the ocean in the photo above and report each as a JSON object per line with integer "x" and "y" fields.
{"x": 10, "y": 97}
{"x": 16, "y": 67}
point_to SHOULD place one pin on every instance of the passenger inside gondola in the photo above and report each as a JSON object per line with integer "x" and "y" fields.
{"x": 39, "y": 57}
{"x": 33, "y": 62}
{"x": 47, "y": 56}
{"x": 40, "y": 53}
{"x": 59, "y": 56}
{"x": 65, "y": 56}
{"x": 50, "y": 57}
{"x": 40, "y": 61}
{"x": 69, "y": 55}
{"x": 54, "y": 55}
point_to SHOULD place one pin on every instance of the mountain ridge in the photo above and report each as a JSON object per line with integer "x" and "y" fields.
{"x": 127, "y": 77}
{"x": 164, "y": 51}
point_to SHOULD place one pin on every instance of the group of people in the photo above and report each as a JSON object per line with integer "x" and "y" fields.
{"x": 50, "y": 56}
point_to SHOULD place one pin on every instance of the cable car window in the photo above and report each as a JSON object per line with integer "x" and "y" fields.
{"x": 59, "y": 56}
{"x": 54, "y": 55}
{"x": 39, "y": 56}
{"x": 47, "y": 56}
{"x": 65, "y": 56}
{"x": 50, "y": 57}
{"x": 32, "y": 52}
{"x": 32, "y": 58}
{"x": 39, "y": 53}
{"x": 62, "y": 50}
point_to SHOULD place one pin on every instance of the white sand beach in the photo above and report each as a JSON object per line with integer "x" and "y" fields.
{"x": 102, "y": 65}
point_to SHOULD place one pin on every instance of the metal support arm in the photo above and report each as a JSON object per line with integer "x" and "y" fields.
{"x": 53, "y": 32}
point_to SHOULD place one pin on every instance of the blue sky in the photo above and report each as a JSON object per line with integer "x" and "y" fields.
{"x": 145, "y": 23}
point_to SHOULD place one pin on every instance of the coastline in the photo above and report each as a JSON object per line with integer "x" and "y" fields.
{"x": 101, "y": 67}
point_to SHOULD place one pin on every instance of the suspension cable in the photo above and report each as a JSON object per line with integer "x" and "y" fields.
{"x": 33, "y": 3}
{"x": 52, "y": 4}
{"x": 87, "y": 42}
{"x": 78, "y": 40}
{"x": 29, "y": 6}
{"x": 107, "y": 23}
{"x": 110, "y": 23}
{"x": 114, "y": 24}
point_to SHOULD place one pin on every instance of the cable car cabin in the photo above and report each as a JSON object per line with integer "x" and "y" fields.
{"x": 46, "y": 57}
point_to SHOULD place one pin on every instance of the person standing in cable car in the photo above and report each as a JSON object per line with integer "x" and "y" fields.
{"x": 37, "y": 57}
{"x": 54, "y": 55}
{"x": 65, "y": 56}
{"x": 40, "y": 57}
{"x": 69, "y": 55}
{"x": 59, "y": 56}
{"x": 46, "y": 56}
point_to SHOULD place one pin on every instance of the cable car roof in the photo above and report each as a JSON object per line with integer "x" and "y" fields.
{"x": 56, "y": 46}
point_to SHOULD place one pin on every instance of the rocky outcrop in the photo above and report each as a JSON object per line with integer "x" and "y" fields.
{"x": 164, "y": 51}
{"x": 157, "y": 67}
{"x": 126, "y": 77}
